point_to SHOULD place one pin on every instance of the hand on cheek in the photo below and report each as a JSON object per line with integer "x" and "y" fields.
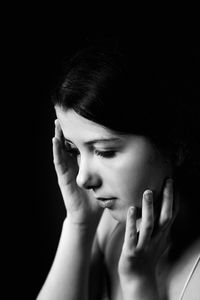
{"x": 141, "y": 251}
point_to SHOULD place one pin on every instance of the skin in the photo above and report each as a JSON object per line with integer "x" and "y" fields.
{"x": 133, "y": 171}
{"x": 133, "y": 164}
{"x": 93, "y": 162}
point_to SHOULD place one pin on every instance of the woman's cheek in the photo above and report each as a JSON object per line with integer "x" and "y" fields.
{"x": 131, "y": 183}
{"x": 135, "y": 176}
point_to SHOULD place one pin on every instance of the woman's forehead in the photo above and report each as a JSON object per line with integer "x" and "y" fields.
{"x": 76, "y": 127}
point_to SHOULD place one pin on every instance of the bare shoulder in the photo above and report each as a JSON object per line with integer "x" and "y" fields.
{"x": 184, "y": 278}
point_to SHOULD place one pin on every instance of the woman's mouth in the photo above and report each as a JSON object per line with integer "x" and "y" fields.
{"x": 106, "y": 202}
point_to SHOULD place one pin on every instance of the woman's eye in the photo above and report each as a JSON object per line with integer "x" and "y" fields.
{"x": 106, "y": 154}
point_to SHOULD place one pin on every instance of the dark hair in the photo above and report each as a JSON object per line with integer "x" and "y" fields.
{"x": 130, "y": 90}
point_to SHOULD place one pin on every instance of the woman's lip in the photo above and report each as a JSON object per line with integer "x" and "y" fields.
{"x": 106, "y": 202}
{"x": 105, "y": 198}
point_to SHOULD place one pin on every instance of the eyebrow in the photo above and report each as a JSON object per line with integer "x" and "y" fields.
{"x": 101, "y": 140}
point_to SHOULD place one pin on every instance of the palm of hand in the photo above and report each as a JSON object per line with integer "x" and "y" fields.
{"x": 80, "y": 203}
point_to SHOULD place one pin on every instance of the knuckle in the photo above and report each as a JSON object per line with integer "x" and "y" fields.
{"x": 59, "y": 181}
{"x": 139, "y": 252}
{"x": 56, "y": 163}
{"x": 133, "y": 235}
{"x": 128, "y": 254}
{"x": 149, "y": 223}
{"x": 168, "y": 192}
{"x": 149, "y": 227}
{"x": 166, "y": 219}
{"x": 166, "y": 195}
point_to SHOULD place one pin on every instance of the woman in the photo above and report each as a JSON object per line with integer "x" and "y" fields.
{"x": 118, "y": 150}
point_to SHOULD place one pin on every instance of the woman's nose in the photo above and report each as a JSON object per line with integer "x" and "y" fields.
{"x": 87, "y": 177}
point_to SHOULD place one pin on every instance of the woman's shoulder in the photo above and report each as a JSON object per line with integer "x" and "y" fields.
{"x": 185, "y": 274}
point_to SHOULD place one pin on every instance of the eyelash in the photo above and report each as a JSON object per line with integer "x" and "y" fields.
{"x": 105, "y": 154}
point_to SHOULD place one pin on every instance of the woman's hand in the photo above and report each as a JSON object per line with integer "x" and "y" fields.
{"x": 141, "y": 251}
{"x": 82, "y": 208}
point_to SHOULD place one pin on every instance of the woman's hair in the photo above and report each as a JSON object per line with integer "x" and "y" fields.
{"x": 130, "y": 89}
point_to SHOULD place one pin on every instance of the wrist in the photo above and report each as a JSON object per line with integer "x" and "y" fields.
{"x": 80, "y": 230}
{"x": 141, "y": 288}
{"x": 86, "y": 222}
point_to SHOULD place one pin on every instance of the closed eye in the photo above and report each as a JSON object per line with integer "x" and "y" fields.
{"x": 75, "y": 152}
{"x": 106, "y": 154}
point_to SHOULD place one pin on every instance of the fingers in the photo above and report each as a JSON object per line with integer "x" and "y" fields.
{"x": 166, "y": 215}
{"x": 167, "y": 205}
{"x": 57, "y": 153}
{"x": 133, "y": 244}
{"x": 57, "y": 149}
{"x": 58, "y": 130}
{"x": 147, "y": 223}
{"x": 130, "y": 239}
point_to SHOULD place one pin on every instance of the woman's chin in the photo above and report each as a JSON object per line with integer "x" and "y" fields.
{"x": 119, "y": 215}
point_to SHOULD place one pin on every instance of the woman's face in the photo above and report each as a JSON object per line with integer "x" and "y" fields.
{"x": 117, "y": 168}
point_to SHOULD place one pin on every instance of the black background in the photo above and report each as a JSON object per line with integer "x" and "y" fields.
{"x": 36, "y": 41}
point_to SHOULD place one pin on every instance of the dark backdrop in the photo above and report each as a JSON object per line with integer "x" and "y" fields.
{"x": 37, "y": 210}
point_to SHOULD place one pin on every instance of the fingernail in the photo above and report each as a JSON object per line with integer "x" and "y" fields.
{"x": 132, "y": 210}
{"x": 148, "y": 195}
{"x": 170, "y": 181}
